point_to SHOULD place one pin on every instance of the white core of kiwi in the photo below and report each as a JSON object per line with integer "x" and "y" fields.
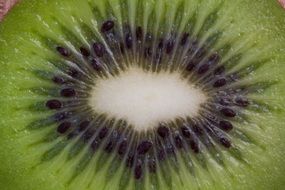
{"x": 144, "y": 99}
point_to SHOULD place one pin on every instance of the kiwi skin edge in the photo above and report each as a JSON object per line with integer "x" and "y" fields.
{"x": 265, "y": 22}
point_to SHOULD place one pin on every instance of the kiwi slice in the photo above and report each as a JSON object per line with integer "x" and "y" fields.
{"x": 142, "y": 94}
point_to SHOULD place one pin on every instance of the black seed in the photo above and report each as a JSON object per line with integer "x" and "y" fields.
{"x": 144, "y": 147}
{"x": 185, "y": 131}
{"x": 83, "y": 125}
{"x": 58, "y": 80}
{"x": 152, "y": 165}
{"x": 160, "y": 44}
{"x": 213, "y": 59}
{"x": 147, "y": 52}
{"x": 225, "y": 142}
{"x": 96, "y": 65}
{"x": 63, "y": 127}
{"x": 63, "y": 51}
{"x": 99, "y": 49}
{"x": 138, "y": 171}
{"x": 203, "y": 69}
{"x": 220, "y": 82}
{"x": 225, "y": 125}
{"x": 241, "y": 101}
{"x": 73, "y": 73}
{"x": 112, "y": 142}
{"x": 84, "y": 52}
{"x": 110, "y": 146}
{"x": 194, "y": 146}
{"x": 219, "y": 70}
{"x": 129, "y": 40}
{"x": 228, "y": 112}
{"x": 163, "y": 131}
{"x": 169, "y": 47}
{"x": 139, "y": 33}
{"x": 123, "y": 147}
{"x": 197, "y": 130}
{"x": 184, "y": 39}
{"x": 122, "y": 48}
{"x": 53, "y": 104}
{"x": 178, "y": 141}
{"x": 191, "y": 65}
{"x": 103, "y": 132}
{"x": 130, "y": 161}
{"x": 68, "y": 92}
{"x": 107, "y": 26}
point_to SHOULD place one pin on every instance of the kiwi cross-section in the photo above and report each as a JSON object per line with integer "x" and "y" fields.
{"x": 142, "y": 94}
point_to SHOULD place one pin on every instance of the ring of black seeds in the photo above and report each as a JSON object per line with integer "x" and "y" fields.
{"x": 193, "y": 134}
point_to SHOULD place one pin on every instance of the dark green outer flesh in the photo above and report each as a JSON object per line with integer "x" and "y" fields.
{"x": 264, "y": 20}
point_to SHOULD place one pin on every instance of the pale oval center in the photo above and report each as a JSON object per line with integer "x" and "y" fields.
{"x": 144, "y": 99}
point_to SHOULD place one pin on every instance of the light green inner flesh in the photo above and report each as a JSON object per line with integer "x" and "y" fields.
{"x": 255, "y": 29}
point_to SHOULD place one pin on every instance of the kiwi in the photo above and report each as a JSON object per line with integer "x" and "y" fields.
{"x": 141, "y": 94}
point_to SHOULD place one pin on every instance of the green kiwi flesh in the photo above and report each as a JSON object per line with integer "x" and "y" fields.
{"x": 241, "y": 42}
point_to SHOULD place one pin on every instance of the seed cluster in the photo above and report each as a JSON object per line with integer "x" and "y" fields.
{"x": 146, "y": 150}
